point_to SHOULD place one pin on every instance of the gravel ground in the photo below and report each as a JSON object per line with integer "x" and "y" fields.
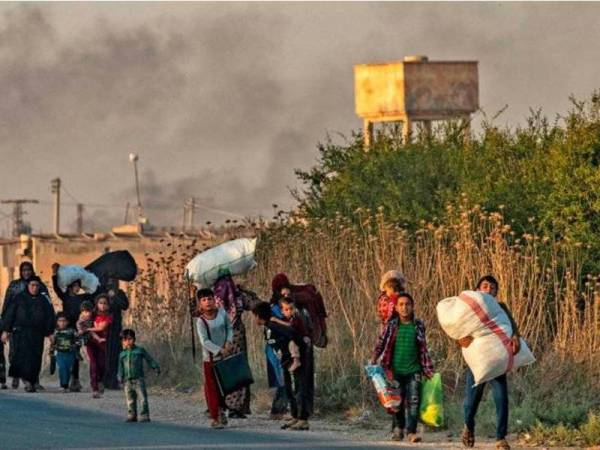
{"x": 175, "y": 415}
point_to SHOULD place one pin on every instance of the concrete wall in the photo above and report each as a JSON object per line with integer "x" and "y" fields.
{"x": 43, "y": 251}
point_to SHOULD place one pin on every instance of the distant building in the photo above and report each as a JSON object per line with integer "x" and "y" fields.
{"x": 44, "y": 250}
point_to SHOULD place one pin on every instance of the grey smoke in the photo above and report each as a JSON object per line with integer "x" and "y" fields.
{"x": 223, "y": 101}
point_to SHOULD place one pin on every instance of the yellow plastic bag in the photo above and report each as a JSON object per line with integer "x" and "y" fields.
{"x": 431, "y": 410}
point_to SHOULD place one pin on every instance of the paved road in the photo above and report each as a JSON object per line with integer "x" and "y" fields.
{"x": 36, "y": 422}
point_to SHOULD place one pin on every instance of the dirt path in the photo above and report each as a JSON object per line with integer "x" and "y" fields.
{"x": 51, "y": 419}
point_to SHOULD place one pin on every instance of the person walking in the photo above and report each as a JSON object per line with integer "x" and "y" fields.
{"x": 235, "y": 301}
{"x": 118, "y": 303}
{"x": 216, "y": 336}
{"x": 15, "y": 287}
{"x": 131, "y": 372}
{"x": 499, "y": 385}
{"x": 71, "y": 300}
{"x": 64, "y": 349}
{"x": 288, "y": 343}
{"x": 402, "y": 352}
{"x": 28, "y": 319}
{"x": 309, "y": 302}
{"x": 96, "y": 349}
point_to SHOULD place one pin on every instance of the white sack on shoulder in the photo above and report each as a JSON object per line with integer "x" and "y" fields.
{"x": 237, "y": 256}
{"x": 480, "y": 316}
{"x": 70, "y": 273}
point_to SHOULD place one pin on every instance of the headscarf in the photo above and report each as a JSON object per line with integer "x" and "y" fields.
{"x": 392, "y": 275}
{"x": 22, "y": 265}
{"x": 279, "y": 282}
{"x": 225, "y": 291}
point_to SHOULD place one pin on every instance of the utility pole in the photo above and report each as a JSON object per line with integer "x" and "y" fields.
{"x": 55, "y": 187}
{"x": 134, "y": 158}
{"x": 192, "y": 212}
{"x": 19, "y": 227}
{"x": 79, "y": 218}
{"x": 126, "y": 219}
{"x": 189, "y": 212}
{"x": 185, "y": 216}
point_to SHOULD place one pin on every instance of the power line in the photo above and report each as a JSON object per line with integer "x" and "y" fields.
{"x": 64, "y": 188}
{"x": 151, "y": 207}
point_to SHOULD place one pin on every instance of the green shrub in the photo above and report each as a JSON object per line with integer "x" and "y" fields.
{"x": 547, "y": 171}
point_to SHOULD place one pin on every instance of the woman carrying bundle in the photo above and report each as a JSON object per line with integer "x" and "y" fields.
{"x": 235, "y": 301}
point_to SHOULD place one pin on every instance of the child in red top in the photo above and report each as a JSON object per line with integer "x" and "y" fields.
{"x": 97, "y": 350}
{"x": 386, "y": 304}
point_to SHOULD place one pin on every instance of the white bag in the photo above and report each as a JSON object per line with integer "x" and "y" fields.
{"x": 237, "y": 256}
{"x": 70, "y": 273}
{"x": 480, "y": 316}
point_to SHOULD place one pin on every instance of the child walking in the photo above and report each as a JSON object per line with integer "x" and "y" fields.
{"x": 216, "y": 336}
{"x": 131, "y": 374}
{"x": 297, "y": 383}
{"x": 402, "y": 352}
{"x": 96, "y": 349}
{"x": 64, "y": 349}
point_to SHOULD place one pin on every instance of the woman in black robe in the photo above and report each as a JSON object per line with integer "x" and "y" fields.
{"x": 26, "y": 272}
{"x": 118, "y": 302}
{"x": 29, "y": 318}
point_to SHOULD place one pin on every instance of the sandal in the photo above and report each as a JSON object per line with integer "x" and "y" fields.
{"x": 217, "y": 425}
{"x": 413, "y": 438}
{"x": 289, "y": 424}
{"x": 468, "y": 438}
{"x": 397, "y": 434}
{"x": 502, "y": 444}
{"x": 301, "y": 425}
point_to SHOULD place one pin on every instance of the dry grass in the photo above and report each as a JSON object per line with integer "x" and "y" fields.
{"x": 540, "y": 277}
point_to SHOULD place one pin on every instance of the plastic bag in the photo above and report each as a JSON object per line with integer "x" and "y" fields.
{"x": 480, "y": 316}
{"x": 70, "y": 273}
{"x": 236, "y": 257}
{"x": 431, "y": 409}
{"x": 389, "y": 397}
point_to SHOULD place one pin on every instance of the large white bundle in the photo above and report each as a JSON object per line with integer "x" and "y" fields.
{"x": 70, "y": 273}
{"x": 480, "y": 316}
{"x": 237, "y": 256}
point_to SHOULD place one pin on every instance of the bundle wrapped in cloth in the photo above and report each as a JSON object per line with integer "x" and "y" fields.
{"x": 389, "y": 397}
{"x": 480, "y": 316}
{"x": 71, "y": 273}
{"x": 235, "y": 257}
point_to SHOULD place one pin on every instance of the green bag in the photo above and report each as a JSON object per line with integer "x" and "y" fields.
{"x": 431, "y": 410}
{"x": 233, "y": 373}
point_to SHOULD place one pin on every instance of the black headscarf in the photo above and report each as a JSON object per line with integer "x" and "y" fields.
{"x": 22, "y": 265}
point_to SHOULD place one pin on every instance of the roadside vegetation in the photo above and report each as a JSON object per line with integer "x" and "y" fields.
{"x": 523, "y": 204}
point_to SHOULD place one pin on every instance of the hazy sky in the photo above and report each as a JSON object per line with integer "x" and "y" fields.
{"x": 223, "y": 101}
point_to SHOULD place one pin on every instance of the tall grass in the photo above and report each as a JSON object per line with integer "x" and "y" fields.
{"x": 555, "y": 305}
